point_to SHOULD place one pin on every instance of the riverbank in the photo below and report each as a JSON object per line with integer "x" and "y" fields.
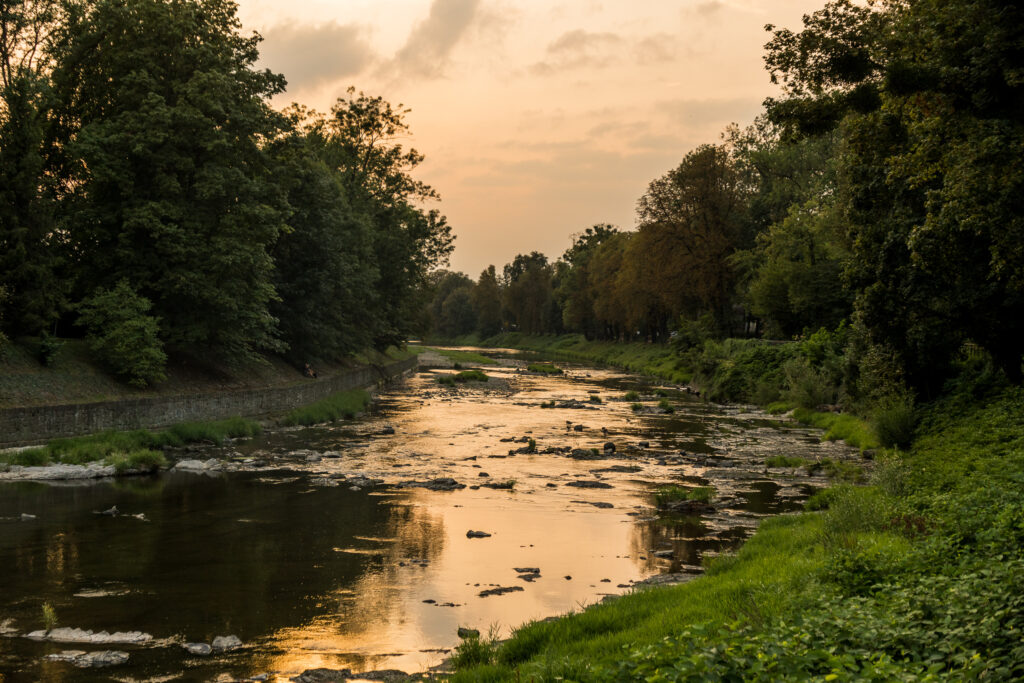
{"x": 195, "y": 401}
{"x": 917, "y": 576}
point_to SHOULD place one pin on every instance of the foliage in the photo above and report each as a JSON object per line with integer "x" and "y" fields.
{"x": 665, "y": 406}
{"x": 123, "y": 335}
{"x": 49, "y": 617}
{"x": 471, "y": 376}
{"x": 631, "y": 396}
{"x": 669, "y": 494}
{"x": 47, "y": 348}
{"x": 344, "y": 404}
{"x": 894, "y": 421}
{"x": 544, "y": 368}
{"x": 784, "y": 461}
{"x": 464, "y": 356}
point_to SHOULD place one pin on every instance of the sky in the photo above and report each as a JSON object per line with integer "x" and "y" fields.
{"x": 537, "y": 118}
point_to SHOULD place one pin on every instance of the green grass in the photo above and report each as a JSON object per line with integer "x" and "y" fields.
{"x": 446, "y": 380}
{"x": 631, "y": 396}
{"x": 840, "y": 427}
{"x": 784, "y": 461}
{"x": 594, "y": 398}
{"x": 471, "y": 376}
{"x": 670, "y": 494}
{"x": 344, "y": 404}
{"x": 544, "y": 368}
{"x": 666, "y": 406}
{"x": 636, "y": 407}
{"x": 133, "y": 450}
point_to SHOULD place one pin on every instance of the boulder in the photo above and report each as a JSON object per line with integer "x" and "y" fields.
{"x": 201, "y": 649}
{"x": 226, "y": 643}
{"x": 477, "y": 534}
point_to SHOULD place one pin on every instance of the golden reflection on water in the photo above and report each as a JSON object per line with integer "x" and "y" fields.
{"x": 384, "y": 611}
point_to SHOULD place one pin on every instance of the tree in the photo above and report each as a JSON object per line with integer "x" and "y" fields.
{"x": 408, "y": 240}
{"x": 161, "y": 121}
{"x": 528, "y": 289}
{"x": 575, "y": 293}
{"x": 323, "y": 263}
{"x": 123, "y": 335}
{"x": 28, "y": 253}
{"x": 692, "y": 220}
{"x": 931, "y": 175}
{"x": 486, "y": 300}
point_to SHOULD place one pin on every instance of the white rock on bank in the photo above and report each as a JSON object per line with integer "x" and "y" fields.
{"x": 93, "y": 470}
{"x": 211, "y": 465}
{"x": 77, "y": 635}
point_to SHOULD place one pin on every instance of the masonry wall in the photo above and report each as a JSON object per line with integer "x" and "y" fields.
{"x": 40, "y": 423}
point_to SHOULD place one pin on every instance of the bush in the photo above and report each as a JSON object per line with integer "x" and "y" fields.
{"x": 665, "y": 406}
{"x": 631, "y": 396}
{"x": 47, "y": 348}
{"x": 808, "y": 387}
{"x": 894, "y": 422}
{"x": 342, "y": 404}
{"x": 471, "y": 376}
{"x": 123, "y": 336}
{"x": 544, "y": 368}
{"x": 784, "y": 461}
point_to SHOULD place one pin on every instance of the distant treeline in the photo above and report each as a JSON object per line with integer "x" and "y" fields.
{"x": 152, "y": 201}
{"x": 884, "y": 187}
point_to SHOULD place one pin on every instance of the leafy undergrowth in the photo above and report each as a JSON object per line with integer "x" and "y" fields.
{"x": 917, "y": 576}
{"x": 344, "y": 404}
{"x": 133, "y": 450}
{"x": 840, "y": 427}
{"x": 671, "y": 494}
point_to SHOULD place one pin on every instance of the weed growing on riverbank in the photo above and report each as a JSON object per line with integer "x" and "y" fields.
{"x": 471, "y": 376}
{"x": 344, "y": 404}
{"x": 461, "y": 357}
{"x": 138, "y": 449}
{"x": 784, "y": 461}
{"x": 544, "y": 368}
{"x": 671, "y": 494}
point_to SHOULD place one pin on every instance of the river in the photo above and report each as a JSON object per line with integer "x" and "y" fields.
{"x": 310, "y": 566}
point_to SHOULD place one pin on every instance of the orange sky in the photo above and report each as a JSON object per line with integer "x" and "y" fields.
{"x": 537, "y": 118}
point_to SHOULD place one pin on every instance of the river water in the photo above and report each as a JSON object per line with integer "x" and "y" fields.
{"x": 308, "y": 570}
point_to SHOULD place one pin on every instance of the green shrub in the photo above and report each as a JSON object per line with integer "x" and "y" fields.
{"x": 665, "y": 406}
{"x": 669, "y": 494}
{"x": 636, "y": 407}
{"x": 594, "y": 398}
{"x": 894, "y": 422}
{"x": 31, "y": 457}
{"x": 471, "y": 376}
{"x": 447, "y": 380}
{"x": 47, "y": 348}
{"x": 141, "y": 460}
{"x": 544, "y": 368}
{"x": 631, "y": 396}
{"x": 808, "y": 387}
{"x": 122, "y": 334}
{"x": 344, "y": 404}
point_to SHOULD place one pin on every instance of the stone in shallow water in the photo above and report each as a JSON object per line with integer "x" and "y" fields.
{"x": 501, "y": 590}
{"x": 202, "y": 649}
{"x": 90, "y": 660}
{"x": 477, "y": 534}
{"x": 585, "y": 484}
{"x": 226, "y": 643}
{"x": 77, "y": 635}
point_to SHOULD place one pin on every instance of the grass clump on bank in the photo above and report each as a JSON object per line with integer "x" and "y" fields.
{"x": 917, "y": 576}
{"x": 132, "y": 450}
{"x": 671, "y": 494}
{"x": 472, "y": 376}
{"x": 344, "y": 404}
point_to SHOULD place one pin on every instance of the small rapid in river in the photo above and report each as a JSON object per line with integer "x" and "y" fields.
{"x": 321, "y": 547}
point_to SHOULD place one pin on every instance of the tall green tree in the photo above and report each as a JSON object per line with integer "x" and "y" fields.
{"x": 162, "y": 121}
{"x": 930, "y": 103}
{"x": 408, "y": 239}
{"x": 575, "y": 292}
{"x": 486, "y": 300}
{"x": 29, "y": 256}
{"x": 323, "y": 263}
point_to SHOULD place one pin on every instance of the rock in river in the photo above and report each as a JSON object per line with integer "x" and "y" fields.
{"x": 202, "y": 649}
{"x": 90, "y": 660}
{"x": 226, "y": 643}
{"x": 586, "y": 484}
{"x": 441, "y": 484}
{"x": 477, "y": 534}
{"x": 77, "y": 635}
{"x": 338, "y": 675}
{"x": 501, "y": 590}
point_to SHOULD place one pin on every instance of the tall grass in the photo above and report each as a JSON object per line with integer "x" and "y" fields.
{"x": 344, "y": 404}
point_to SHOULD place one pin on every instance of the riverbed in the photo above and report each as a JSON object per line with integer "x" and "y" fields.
{"x": 320, "y": 547}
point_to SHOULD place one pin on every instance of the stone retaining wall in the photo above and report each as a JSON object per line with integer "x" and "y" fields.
{"x": 20, "y": 426}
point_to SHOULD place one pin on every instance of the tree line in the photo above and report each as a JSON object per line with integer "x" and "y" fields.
{"x": 153, "y": 202}
{"x": 882, "y": 191}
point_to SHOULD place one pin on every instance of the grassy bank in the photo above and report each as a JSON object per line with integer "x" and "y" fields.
{"x": 344, "y": 404}
{"x": 134, "y": 450}
{"x": 917, "y": 576}
{"x": 74, "y": 376}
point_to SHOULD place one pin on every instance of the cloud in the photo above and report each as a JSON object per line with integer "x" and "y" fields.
{"x": 429, "y": 46}
{"x": 579, "y": 48}
{"x": 717, "y": 112}
{"x": 309, "y": 55}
